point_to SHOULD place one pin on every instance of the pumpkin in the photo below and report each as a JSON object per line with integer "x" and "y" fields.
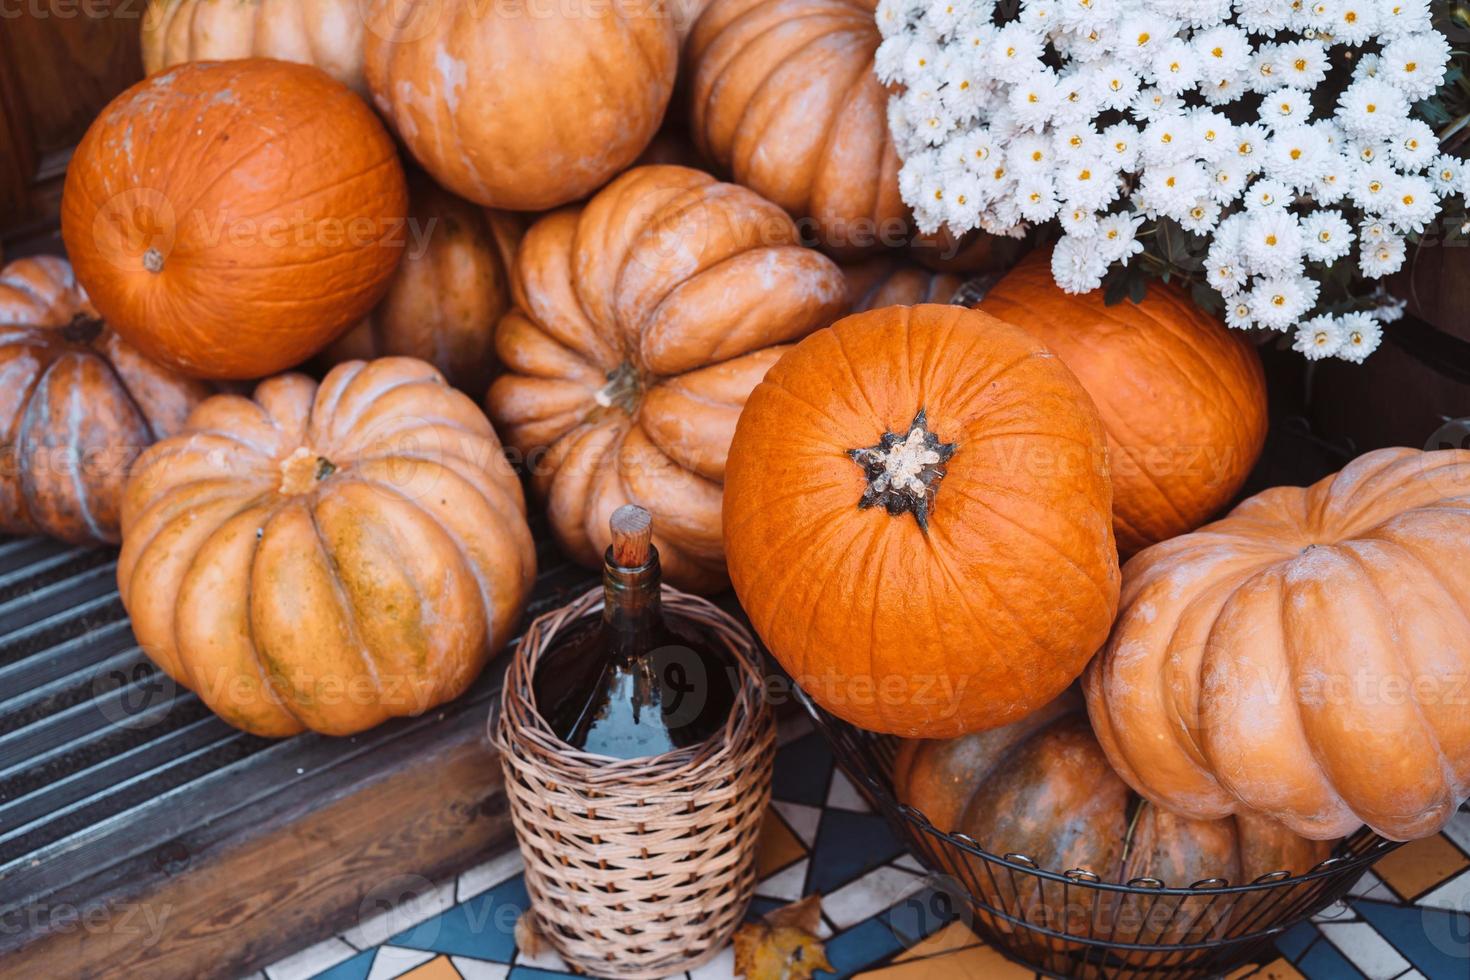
{"x": 77, "y": 405}
{"x": 447, "y": 294}
{"x": 231, "y": 218}
{"x": 642, "y": 321}
{"x": 518, "y": 106}
{"x": 917, "y": 520}
{"x": 784, "y": 98}
{"x": 1042, "y": 787}
{"x": 973, "y": 252}
{"x": 325, "y": 33}
{"x": 326, "y": 556}
{"x": 1183, "y": 398}
{"x": 888, "y": 281}
{"x": 1304, "y": 657}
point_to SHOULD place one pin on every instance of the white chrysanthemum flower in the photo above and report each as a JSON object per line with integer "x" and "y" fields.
{"x": 1140, "y": 36}
{"x": 1077, "y": 265}
{"x": 1267, "y": 193}
{"x": 1212, "y": 135}
{"x": 1168, "y": 139}
{"x": 890, "y": 60}
{"x": 1416, "y": 64}
{"x": 1223, "y": 89}
{"x": 1278, "y": 302}
{"x": 1238, "y": 312}
{"x": 1326, "y": 236}
{"x": 1372, "y": 186}
{"x": 1089, "y": 183}
{"x": 1039, "y": 15}
{"x": 1296, "y": 156}
{"x": 1390, "y": 309}
{"x": 1400, "y": 18}
{"x": 1078, "y": 220}
{"x": 1353, "y": 21}
{"x": 1303, "y": 64}
{"x": 1319, "y": 337}
{"x": 1172, "y": 188}
{"x": 1117, "y": 237}
{"x": 963, "y": 201}
{"x": 1030, "y": 153}
{"x": 1076, "y": 141}
{"x": 1382, "y": 258}
{"x": 1266, "y": 72}
{"x": 1361, "y": 335}
{"x": 1114, "y": 84}
{"x": 1228, "y": 180}
{"x": 1372, "y": 109}
{"x": 1201, "y": 217}
{"x": 1032, "y": 99}
{"x": 978, "y": 149}
{"x": 1224, "y": 271}
{"x": 1037, "y": 196}
{"x": 1272, "y": 241}
{"x": 1448, "y": 174}
{"x": 1415, "y": 147}
{"x": 946, "y": 16}
{"x": 1287, "y": 106}
{"x": 1174, "y": 67}
{"x": 1251, "y": 140}
{"x": 1015, "y": 53}
{"x": 1375, "y": 230}
{"x": 1153, "y": 103}
{"x": 1119, "y": 145}
{"x": 1222, "y": 51}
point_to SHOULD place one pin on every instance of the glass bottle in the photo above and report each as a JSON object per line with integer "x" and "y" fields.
{"x": 634, "y": 683}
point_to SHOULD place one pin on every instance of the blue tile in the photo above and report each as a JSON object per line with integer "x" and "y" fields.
{"x": 1294, "y": 941}
{"x": 1436, "y": 941}
{"x": 1324, "y": 962}
{"x": 849, "y": 844}
{"x": 916, "y": 917}
{"x": 355, "y": 968}
{"x": 532, "y": 973}
{"x": 861, "y": 947}
{"x": 803, "y": 770}
{"x": 483, "y": 927}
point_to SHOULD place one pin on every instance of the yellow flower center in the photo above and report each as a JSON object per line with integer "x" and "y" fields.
{"x": 1296, "y": 154}
{"x": 1271, "y": 240}
{"x": 1300, "y": 64}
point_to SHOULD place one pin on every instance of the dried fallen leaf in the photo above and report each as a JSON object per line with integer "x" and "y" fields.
{"x": 784, "y": 945}
{"x": 528, "y": 934}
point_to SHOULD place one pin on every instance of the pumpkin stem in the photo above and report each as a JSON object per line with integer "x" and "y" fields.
{"x": 302, "y": 470}
{"x": 82, "y": 329}
{"x": 904, "y": 470}
{"x": 153, "y": 260}
{"x": 622, "y": 389}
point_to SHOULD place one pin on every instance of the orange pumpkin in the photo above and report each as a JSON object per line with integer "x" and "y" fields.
{"x": 231, "y": 218}
{"x": 327, "y": 557}
{"x": 520, "y": 106}
{"x": 77, "y": 405}
{"x": 1183, "y": 398}
{"x": 1304, "y": 657}
{"x": 325, "y": 33}
{"x": 642, "y": 321}
{"x": 784, "y": 98}
{"x": 449, "y": 291}
{"x": 887, "y": 281}
{"x": 917, "y": 520}
{"x": 1042, "y": 787}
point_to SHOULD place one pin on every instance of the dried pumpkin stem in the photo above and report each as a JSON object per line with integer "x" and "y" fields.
{"x": 153, "y": 260}
{"x": 904, "y": 470}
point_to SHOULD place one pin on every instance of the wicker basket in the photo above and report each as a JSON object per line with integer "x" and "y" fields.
{"x": 637, "y": 868}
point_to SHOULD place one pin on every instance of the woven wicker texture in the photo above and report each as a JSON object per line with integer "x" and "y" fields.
{"x": 639, "y": 868}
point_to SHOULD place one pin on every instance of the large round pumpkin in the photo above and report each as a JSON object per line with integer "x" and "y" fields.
{"x": 77, "y": 405}
{"x": 785, "y": 99}
{"x": 519, "y": 105}
{"x": 1042, "y": 787}
{"x": 231, "y": 218}
{"x": 1183, "y": 398}
{"x": 1304, "y": 657}
{"x": 448, "y": 293}
{"x": 888, "y": 281}
{"x": 917, "y": 520}
{"x": 325, "y": 33}
{"x": 327, "y": 557}
{"x": 642, "y": 321}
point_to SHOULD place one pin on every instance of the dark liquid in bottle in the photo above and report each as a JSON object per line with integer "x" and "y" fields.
{"x": 633, "y": 683}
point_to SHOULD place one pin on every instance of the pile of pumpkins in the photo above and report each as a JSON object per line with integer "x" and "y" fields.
{"x": 921, "y": 507}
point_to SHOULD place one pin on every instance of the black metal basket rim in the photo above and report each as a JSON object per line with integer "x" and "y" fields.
{"x": 1117, "y": 944}
{"x": 1081, "y": 877}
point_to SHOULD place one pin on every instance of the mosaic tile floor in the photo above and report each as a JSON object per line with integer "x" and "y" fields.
{"x": 1408, "y": 918}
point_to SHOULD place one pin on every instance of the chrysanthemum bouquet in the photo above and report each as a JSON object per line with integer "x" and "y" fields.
{"x": 1265, "y": 151}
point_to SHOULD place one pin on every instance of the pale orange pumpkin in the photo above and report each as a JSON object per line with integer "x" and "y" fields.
{"x": 1182, "y": 397}
{"x": 642, "y": 321}
{"x": 783, "y": 97}
{"x": 327, "y": 557}
{"x": 1304, "y": 657}
{"x": 231, "y": 218}
{"x": 520, "y": 106}
{"x": 448, "y": 292}
{"x": 918, "y": 523}
{"x": 325, "y": 33}
{"x": 77, "y": 405}
{"x": 888, "y": 281}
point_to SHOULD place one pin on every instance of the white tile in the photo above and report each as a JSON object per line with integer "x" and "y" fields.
{"x": 1338, "y": 911}
{"x": 869, "y": 895}
{"x": 392, "y": 960}
{"x": 910, "y": 863}
{"x": 803, "y": 819}
{"x": 484, "y": 877}
{"x": 1371, "y": 886}
{"x": 547, "y": 959}
{"x": 786, "y": 884}
{"x": 1453, "y": 895}
{"x": 722, "y": 967}
{"x": 844, "y": 795}
{"x": 1366, "y": 949}
{"x": 311, "y": 960}
{"x": 410, "y": 910}
{"x": 1458, "y": 830}
{"x": 479, "y": 969}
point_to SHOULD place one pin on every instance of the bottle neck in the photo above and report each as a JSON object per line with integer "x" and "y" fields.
{"x": 632, "y": 610}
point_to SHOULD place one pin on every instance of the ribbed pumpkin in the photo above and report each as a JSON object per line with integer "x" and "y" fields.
{"x": 448, "y": 293}
{"x": 1304, "y": 657}
{"x": 784, "y": 98}
{"x": 642, "y": 321}
{"x": 231, "y": 218}
{"x": 520, "y": 106}
{"x": 327, "y": 557}
{"x": 325, "y": 33}
{"x": 77, "y": 405}
{"x": 888, "y": 281}
{"x": 917, "y": 520}
{"x": 1043, "y": 788}
{"x": 1183, "y": 398}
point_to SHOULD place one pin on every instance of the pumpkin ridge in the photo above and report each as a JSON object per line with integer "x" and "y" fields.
{"x": 851, "y": 91}
{"x": 74, "y": 412}
{"x": 349, "y": 609}
{"x": 275, "y": 204}
{"x": 733, "y": 62}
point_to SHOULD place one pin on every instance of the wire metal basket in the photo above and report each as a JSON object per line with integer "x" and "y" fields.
{"x": 1070, "y": 923}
